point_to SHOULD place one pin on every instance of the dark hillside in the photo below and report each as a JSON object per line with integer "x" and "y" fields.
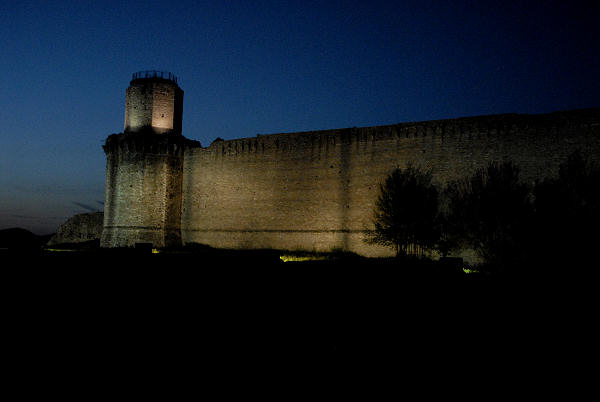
{"x": 21, "y": 239}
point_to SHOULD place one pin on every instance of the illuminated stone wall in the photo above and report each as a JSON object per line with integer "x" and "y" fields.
{"x": 144, "y": 167}
{"x": 79, "y": 228}
{"x": 316, "y": 190}
{"x": 153, "y": 104}
{"x": 143, "y": 190}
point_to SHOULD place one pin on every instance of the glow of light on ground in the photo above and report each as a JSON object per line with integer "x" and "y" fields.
{"x": 470, "y": 271}
{"x": 296, "y": 258}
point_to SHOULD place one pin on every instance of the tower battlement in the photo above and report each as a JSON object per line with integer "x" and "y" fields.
{"x": 154, "y": 74}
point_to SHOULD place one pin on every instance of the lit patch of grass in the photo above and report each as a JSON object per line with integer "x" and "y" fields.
{"x": 470, "y": 270}
{"x": 299, "y": 258}
{"x": 155, "y": 251}
{"x": 60, "y": 250}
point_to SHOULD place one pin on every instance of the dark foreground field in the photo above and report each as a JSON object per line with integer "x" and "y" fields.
{"x": 188, "y": 314}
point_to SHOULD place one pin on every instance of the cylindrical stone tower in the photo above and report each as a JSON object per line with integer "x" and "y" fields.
{"x": 144, "y": 166}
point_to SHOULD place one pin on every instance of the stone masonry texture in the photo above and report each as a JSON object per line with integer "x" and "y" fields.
{"x": 143, "y": 189}
{"x": 153, "y": 105}
{"x": 311, "y": 191}
{"x": 79, "y": 228}
{"x": 317, "y": 190}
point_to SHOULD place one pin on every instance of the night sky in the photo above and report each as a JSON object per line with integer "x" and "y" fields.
{"x": 250, "y": 67}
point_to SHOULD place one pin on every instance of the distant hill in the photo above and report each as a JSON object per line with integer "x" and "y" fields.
{"x": 19, "y": 238}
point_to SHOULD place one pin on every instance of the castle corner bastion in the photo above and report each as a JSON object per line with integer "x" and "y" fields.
{"x": 312, "y": 191}
{"x": 144, "y": 166}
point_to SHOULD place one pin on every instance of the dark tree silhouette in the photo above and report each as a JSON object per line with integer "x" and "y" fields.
{"x": 568, "y": 215}
{"x": 406, "y": 212}
{"x": 490, "y": 213}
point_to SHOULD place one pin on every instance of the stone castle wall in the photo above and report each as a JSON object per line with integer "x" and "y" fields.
{"x": 316, "y": 190}
{"x": 143, "y": 190}
{"x": 79, "y": 228}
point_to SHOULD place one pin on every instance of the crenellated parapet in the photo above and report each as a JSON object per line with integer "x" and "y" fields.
{"x": 496, "y": 127}
{"x": 148, "y": 144}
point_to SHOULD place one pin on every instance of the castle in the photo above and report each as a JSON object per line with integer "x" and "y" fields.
{"x": 299, "y": 191}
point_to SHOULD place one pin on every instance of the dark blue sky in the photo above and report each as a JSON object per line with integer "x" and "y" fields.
{"x": 251, "y": 67}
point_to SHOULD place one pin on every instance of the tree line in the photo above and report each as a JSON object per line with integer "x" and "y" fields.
{"x": 511, "y": 225}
